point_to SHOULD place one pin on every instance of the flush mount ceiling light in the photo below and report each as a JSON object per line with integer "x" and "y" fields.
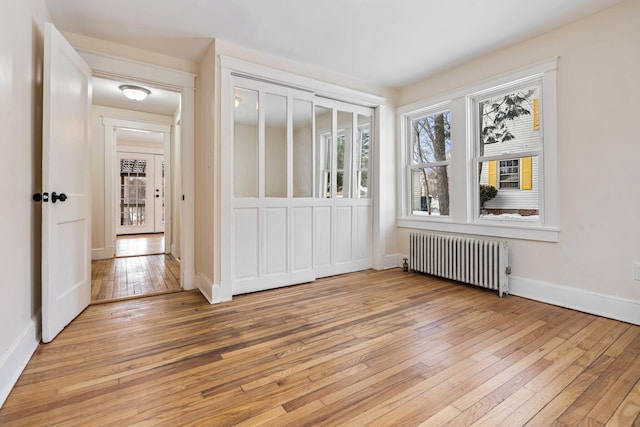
{"x": 135, "y": 93}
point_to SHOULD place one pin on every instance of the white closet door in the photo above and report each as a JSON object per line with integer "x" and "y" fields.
{"x": 272, "y": 203}
{"x": 343, "y": 223}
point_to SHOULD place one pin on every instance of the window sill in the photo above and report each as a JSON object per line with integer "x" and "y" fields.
{"x": 509, "y": 231}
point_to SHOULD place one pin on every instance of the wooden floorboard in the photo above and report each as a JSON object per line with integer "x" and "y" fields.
{"x": 133, "y": 277}
{"x": 370, "y": 348}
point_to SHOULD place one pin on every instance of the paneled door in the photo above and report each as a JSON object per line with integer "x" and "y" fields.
{"x": 272, "y": 199}
{"x": 301, "y": 197}
{"x": 140, "y": 193}
{"x": 343, "y": 210}
{"x": 66, "y": 207}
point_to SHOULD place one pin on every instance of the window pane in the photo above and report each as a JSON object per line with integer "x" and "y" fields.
{"x": 245, "y": 143}
{"x": 430, "y": 191}
{"x": 509, "y": 175}
{"x": 363, "y": 149}
{"x": 275, "y": 146}
{"x": 344, "y": 153}
{"x": 302, "y": 149}
{"x": 323, "y": 138}
{"x": 133, "y": 181}
{"x": 431, "y": 138}
{"x": 509, "y": 189}
{"x": 510, "y": 122}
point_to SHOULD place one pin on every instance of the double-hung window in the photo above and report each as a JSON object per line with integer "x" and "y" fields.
{"x": 482, "y": 159}
{"x": 429, "y": 137}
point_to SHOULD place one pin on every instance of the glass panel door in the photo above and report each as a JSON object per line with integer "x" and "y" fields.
{"x": 140, "y": 193}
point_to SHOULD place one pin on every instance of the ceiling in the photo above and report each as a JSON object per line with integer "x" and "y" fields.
{"x": 385, "y": 42}
{"x": 107, "y": 93}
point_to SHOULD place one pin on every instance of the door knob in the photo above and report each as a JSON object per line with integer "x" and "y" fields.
{"x": 44, "y": 197}
{"x": 55, "y": 197}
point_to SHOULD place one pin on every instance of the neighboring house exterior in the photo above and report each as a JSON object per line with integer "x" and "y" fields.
{"x": 516, "y": 179}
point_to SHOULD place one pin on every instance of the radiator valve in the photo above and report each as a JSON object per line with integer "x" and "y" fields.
{"x": 405, "y": 265}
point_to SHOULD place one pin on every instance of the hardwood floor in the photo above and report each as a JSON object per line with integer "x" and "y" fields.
{"x": 371, "y": 348}
{"x": 132, "y": 277}
{"x": 139, "y": 244}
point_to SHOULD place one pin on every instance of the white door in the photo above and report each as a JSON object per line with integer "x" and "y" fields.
{"x": 158, "y": 192}
{"x": 272, "y": 203}
{"x": 66, "y": 212}
{"x": 140, "y": 187}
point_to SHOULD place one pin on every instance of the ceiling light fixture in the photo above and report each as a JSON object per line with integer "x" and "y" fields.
{"x": 135, "y": 93}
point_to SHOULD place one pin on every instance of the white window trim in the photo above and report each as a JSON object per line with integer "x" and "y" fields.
{"x": 463, "y": 218}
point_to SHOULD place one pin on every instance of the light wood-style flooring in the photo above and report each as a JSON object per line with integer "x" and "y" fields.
{"x": 371, "y": 348}
{"x": 133, "y": 277}
{"x": 139, "y": 244}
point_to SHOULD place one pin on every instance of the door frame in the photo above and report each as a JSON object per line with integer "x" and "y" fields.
{"x": 112, "y": 166}
{"x": 112, "y": 67}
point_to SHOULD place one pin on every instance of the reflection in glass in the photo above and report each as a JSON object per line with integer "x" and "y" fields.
{"x": 364, "y": 151}
{"x": 302, "y": 149}
{"x": 323, "y": 140}
{"x": 343, "y": 154}
{"x": 275, "y": 146}
{"x": 245, "y": 143}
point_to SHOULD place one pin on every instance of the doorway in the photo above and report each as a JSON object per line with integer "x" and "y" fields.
{"x": 138, "y": 144}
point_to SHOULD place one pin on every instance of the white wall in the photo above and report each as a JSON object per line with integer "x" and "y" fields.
{"x": 206, "y": 171}
{"x": 99, "y": 240}
{"x": 21, "y": 61}
{"x": 590, "y": 268}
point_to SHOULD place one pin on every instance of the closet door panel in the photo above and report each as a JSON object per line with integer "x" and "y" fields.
{"x": 276, "y": 237}
{"x": 246, "y": 253}
{"x": 343, "y": 234}
{"x": 322, "y": 238}
{"x": 302, "y": 238}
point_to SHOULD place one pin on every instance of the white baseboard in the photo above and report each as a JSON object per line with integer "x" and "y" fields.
{"x": 13, "y": 362}
{"x": 205, "y": 286}
{"x": 577, "y": 299}
{"x": 392, "y": 261}
{"x": 213, "y": 292}
{"x": 190, "y": 280}
{"x": 102, "y": 253}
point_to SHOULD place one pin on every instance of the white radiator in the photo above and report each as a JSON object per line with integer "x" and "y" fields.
{"x": 476, "y": 262}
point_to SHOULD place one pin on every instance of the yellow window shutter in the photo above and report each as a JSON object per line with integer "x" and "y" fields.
{"x": 493, "y": 177}
{"x": 536, "y": 113}
{"x": 525, "y": 172}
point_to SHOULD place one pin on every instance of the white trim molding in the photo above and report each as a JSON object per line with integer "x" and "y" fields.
{"x": 17, "y": 356}
{"x": 608, "y": 306}
{"x": 213, "y": 292}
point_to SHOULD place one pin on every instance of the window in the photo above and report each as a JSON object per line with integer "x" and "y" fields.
{"x": 430, "y": 145}
{"x": 509, "y": 174}
{"x": 481, "y": 160}
{"x": 508, "y": 125}
{"x": 363, "y": 150}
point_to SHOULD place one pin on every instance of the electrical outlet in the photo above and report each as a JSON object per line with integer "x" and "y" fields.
{"x": 636, "y": 270}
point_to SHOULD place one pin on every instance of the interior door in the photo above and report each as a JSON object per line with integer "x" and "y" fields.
{"x": 66, "y": 208}
{"x": 158, "y": 192}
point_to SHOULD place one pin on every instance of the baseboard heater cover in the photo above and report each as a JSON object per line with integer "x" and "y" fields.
{"x": 478, "y": 262}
